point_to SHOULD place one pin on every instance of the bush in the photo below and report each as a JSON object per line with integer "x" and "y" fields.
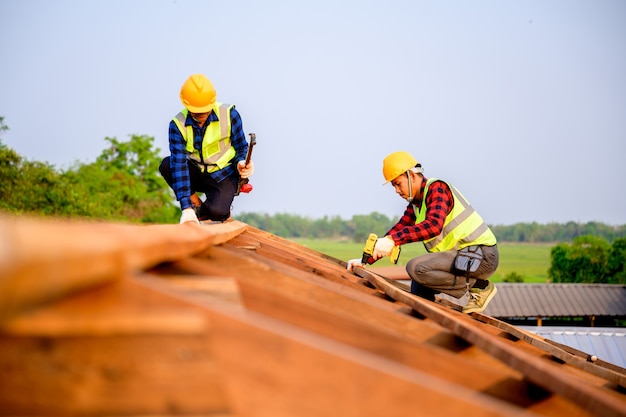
{"x": 513, "y": 277}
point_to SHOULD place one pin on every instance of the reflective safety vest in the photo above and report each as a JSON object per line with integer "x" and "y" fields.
{"x": 463, "y": 225}
{"x": 217, "y": 150}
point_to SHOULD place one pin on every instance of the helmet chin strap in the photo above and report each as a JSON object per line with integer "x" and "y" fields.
{"x": 408, "y": 177}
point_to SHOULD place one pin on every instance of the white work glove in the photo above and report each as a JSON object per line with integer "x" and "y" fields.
{"x": 245, "y": 171}
{"x": 354, "y": 262}
{"x": 189, "y": 216}
{"x": 383, "y": 247}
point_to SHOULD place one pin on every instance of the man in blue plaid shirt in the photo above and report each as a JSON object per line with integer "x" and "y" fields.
{"x": 208, "y": 150}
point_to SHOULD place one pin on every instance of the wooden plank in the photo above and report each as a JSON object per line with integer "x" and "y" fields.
{"x": 354, "y": 318}
{"x": 294, "y": 248}
{"x": 293, "y": 254}
{"x": 542, "y": 373}
{"x": 136, "y": 368}
{"x": 268, "y": 393}
{"x": 44, "y": 323}
{"x": 224, "y": 288}
{"x": 44, "y": 259}
{"x": 574, "y": 357}
{"x": 110, "y": 310}
{"x": 302, "y": 259}
{"x": 290, "y": 372}
{"x": 116, "y": 375}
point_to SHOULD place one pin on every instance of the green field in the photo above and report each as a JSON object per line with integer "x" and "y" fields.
{"x": 530, "y": 260}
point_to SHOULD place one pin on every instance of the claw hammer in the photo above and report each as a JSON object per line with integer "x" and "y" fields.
{"x": 244, "y": 186}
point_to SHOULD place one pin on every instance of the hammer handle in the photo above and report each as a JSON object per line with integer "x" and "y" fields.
{"x": 252, "y": 143}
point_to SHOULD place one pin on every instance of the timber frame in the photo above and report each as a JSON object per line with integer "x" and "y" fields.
{"x": 227, "y": 320}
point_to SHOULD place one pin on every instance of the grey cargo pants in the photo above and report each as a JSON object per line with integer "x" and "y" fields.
{"x": 435, "y": 272}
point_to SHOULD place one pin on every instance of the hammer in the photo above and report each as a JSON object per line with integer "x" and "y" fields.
{"x": 244, "y": 186}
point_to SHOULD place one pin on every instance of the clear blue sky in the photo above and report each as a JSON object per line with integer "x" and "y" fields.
{"x": 520, "y": 104}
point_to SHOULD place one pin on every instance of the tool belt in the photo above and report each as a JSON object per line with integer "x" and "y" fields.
{"x": 468, "y": 259}
{"x": 204, "y": 168}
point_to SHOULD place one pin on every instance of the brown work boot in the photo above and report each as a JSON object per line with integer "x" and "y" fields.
{"x": 479, "y": 298}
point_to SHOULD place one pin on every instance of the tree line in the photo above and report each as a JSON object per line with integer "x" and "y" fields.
{"x": 123, "y": 184}
{"x": 358, "y": 227}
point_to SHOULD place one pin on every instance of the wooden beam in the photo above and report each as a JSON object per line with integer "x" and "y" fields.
{"x": 355, "y": 318}
{"x": 542, "y": 373}
{"x": 280, "y": 370}
{"x": 119, "y": 349}
{"x": 574, "y": 357}
{"x": 46, "y": 259}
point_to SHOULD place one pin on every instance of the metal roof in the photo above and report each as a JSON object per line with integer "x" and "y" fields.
{"x": 558, "y": 300}
{"x": 552, "y": 300}
{"x": 608, "y": 344}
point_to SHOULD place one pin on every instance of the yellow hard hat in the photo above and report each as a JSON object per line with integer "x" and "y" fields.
{"x": 198, "y": 94}
{"x": 396, "y": 164}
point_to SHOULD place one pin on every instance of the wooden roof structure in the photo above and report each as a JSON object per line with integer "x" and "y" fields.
{"x": 227, "y": 320}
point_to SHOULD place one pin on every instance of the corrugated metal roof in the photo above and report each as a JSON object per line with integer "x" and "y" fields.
{"x": 558, "y": 300}
{"x": 553, "y": 300}
{"x": 608, "y": 344}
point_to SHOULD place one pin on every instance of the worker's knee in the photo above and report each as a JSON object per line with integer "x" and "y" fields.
{"x": 218, "y": 214}
{"x": 417, "y": 270}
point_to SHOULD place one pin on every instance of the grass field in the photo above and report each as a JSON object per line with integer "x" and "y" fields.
{"x": 530, "y": 260}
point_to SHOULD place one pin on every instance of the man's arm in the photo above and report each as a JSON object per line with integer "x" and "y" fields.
{"x": 179, "y": 167}
{"x": 237, "y": 136}
{"x": 439, "y": 203}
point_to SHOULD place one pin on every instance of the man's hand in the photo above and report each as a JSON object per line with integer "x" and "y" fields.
{"x": 354, "y": 262}
{"x": 383, "y": 247}
{"x": 189, "y": 216}
{"x": 245, "y": 171}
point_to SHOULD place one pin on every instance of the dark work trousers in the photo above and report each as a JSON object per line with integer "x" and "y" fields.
{"x": 219, "y": 195}
{"x": 434, "y": 273}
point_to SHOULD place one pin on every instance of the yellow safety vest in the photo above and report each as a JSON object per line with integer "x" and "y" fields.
{"x": 463, "y": 225}
{"x": 217, "y": 150}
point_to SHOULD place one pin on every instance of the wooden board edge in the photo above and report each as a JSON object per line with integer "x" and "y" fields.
{"x": 537, "y": 371}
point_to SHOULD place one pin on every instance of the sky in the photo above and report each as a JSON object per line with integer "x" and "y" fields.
{"x": 519, "y": 104}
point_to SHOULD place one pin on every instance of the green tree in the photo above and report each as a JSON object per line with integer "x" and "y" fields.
{"x": 9, "y": 172}
{"x": 360, "y": 226}
{"x": 584, "y": 261}
{"x": 616, "y": 264}
{"x": 122, "y": 184}
{"x": 513, "y": 277}
{"x": 26, "y": 186}
{"x": 136, "y": 157}
{"x": 125, "y": 178}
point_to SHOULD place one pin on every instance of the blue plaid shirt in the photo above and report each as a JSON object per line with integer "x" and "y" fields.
{"x": 178, "y": 159}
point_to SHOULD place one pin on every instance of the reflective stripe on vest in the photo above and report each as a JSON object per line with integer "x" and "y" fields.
{"x": 463, "y": 225}
{"x": 217, "y": 150}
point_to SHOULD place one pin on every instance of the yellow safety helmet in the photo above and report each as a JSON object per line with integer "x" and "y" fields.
{"x": 198, "y": 94}
{"x": 396, "y": 164}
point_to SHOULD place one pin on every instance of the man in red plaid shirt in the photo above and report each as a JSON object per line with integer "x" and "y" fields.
{"x": 462, "y": 251}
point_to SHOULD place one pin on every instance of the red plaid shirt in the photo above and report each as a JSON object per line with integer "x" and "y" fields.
{"x": 439, "y": 203}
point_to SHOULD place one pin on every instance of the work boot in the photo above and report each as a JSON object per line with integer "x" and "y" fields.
{"x": 479, "y": 298}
